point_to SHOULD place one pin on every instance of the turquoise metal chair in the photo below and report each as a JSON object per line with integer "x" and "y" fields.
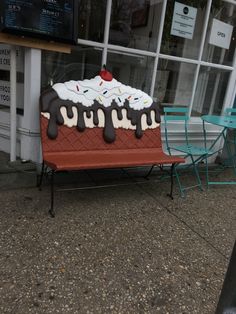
{"x": 194, "y": 153}
{"x": 230, "y": 140}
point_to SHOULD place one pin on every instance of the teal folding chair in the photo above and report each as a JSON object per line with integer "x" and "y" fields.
{"x": 195, "y": 154}
{"x": 230, "y": 141}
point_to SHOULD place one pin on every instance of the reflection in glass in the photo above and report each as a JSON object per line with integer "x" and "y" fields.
{"x": 134, "y": 71}
{"x": 91, "y": 19}
{"x": 210, "y": 92}
{"x": 226, "y": 13}
{"x": 174, "y": 83}
{"x": 182, "y": 46}
{"x": 135, "y": 24}
{"x": 82, "y": 63}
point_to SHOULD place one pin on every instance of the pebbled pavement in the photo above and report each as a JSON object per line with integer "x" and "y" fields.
{"x": 122, "y": 249}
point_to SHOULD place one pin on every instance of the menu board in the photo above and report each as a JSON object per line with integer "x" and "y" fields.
{"x": 47, "y": 19}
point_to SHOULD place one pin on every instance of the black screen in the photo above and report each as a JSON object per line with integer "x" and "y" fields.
{"x": 47, "y": 19}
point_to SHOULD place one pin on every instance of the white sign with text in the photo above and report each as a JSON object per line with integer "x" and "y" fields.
{"x": 5, "y": 93}
{"x": 5, "y": 58}
{"x": 183, "y": 21}
{"x": 220, "y": 34}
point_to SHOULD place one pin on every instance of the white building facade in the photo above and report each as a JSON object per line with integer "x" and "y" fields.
{"x": 182, "y": 53}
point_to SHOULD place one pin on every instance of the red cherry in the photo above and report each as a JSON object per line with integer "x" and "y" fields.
{"x": 106, "y": 75}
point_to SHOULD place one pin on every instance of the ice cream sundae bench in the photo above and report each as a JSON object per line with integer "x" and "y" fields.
{"x": 99, "y": 123}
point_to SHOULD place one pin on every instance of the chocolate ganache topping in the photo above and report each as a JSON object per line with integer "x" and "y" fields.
{"x": 87, "y": 99}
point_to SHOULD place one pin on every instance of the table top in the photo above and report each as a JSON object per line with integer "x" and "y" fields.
{"x": 224, "y": 121}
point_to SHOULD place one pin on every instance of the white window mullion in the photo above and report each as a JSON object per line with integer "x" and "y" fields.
{"x": 154, "y": 73}
{"x": 106, "y": 31}
{"x": 217, "y": 66}
{"x": 231, "y": 89}
{"x": 131, "y": 50}
{"x": 207, "y": 15}
{"x": 90, "y": 43}
{"x": 179, "y": 59}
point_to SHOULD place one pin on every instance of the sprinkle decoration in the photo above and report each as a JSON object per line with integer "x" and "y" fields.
{"x": 129, "y": 97}
{"x": 101, "y": 83}
{"x": 104, "y": 92}
{"x": 119, "y": 99}
{"x": 77, "y": 87}
{"x": 100, "y": 99}
{"x": 86, "y": 91}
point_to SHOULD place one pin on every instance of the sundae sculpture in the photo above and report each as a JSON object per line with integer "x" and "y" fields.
{"x": 101, "y": 102}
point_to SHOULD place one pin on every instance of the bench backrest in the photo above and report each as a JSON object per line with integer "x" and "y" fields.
{"x": 90, "y": 138}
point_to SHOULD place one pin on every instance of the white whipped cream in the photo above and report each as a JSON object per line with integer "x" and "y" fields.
{"x": 86, "y": 91}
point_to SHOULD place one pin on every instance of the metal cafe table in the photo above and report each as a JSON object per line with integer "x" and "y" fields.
{"x": 226, "y": 122}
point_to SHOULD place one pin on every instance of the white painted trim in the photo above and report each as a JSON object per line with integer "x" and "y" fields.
{"x": 217, "y": 66}
{"x": 116, "y": 48}
{"x": 13, "y": 104}
{"x": 180, "y": 59}
{"x": 131, "y": 50}
{"x": 90, "y": 43}
{"x": 192, "y": 61}
{"x": 207, "y": 15}
{"x": 106, "y": 31}
{"x": 154, "y": 73}
{"x": 231, "y": 88}
{"x": 29, "y": 130}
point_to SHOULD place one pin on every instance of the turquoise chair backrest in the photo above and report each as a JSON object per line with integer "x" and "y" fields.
{"x": 230, "y": 112}
{"x": 176, "y": 114}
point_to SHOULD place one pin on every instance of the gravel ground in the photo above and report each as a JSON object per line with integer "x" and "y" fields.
{"x": 124, "y": 249}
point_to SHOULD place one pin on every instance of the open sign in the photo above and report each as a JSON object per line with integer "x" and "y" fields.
{"x": 221, "y": 34}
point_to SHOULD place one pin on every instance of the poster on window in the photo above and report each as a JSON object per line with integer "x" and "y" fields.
{"x": 183, "y": 21}
{"x": 5, "y": 58}
{"x": 5, "y": 64}
{"x": 220, "y": 34}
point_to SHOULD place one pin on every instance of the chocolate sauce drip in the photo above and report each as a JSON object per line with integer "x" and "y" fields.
{"x": 51, "y": 103}
{"x": 95, "y": 118}
{"x": 109, "y": 133}
{"x": 70, "y": 112}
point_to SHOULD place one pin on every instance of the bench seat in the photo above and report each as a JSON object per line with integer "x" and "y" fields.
{"x": 79, "y": 160}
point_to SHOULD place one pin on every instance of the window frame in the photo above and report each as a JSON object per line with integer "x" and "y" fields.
{"x": 156, "y": 55}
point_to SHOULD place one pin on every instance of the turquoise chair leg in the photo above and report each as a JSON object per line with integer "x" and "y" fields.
{"x": 229, "y": 152}
{"x": 178, "y": 182}
{"x": 207, "y": 173}
{"x": 196, "y": 173}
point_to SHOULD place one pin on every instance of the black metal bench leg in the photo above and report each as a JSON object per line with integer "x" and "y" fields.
{"x": 39, "y": 185}
{"x": 149, "y": 172}
{"x": 51, "y": 210}
{"x": 171, "y": 181}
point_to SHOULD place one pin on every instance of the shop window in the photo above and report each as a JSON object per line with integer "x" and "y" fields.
{"x": 211, "y": 89}
{"x": 135, "y": 24}
{"x": 221, "y": 35}
{"x": 131, "y": 70}
{"x": 82, "y": 63}
{"x": 183, "y": 28}
{"x": 91, "y": 19}
{"x": 5, "y": 62}
{"x": 174, "y": 83}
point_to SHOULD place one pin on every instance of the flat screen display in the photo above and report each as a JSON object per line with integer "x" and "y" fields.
{"x": 47, "y": 19}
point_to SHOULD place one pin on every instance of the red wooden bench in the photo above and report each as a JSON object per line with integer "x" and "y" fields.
{"x": 72, "y": 149}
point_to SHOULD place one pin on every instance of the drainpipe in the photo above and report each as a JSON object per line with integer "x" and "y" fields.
{"x": 13, "y": 104}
